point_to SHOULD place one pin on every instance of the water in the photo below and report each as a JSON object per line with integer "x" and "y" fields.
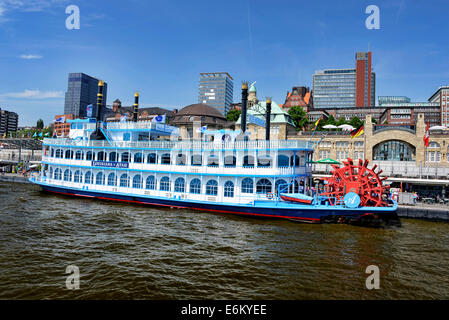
{"x": 137, "y": 252}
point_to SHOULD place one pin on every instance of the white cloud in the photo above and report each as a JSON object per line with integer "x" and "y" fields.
{"x": 34, "y": 94}
{"x": 30, "y": 56}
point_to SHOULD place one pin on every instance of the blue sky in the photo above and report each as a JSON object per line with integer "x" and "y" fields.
{"x": 159, "y": 48}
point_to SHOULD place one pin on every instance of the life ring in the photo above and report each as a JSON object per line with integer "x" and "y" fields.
{"x": 269, "y": 195}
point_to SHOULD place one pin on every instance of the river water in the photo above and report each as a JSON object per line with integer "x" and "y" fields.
{"x": 136, "y": 252}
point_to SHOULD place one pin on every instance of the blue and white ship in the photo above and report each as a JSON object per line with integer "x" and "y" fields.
{"x": 145, "y": 162}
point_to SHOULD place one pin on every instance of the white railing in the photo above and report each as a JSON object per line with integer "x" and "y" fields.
{"x": 184, "y": 145}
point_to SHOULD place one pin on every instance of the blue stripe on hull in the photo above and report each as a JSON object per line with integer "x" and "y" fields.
{"x": 306, "y": 214}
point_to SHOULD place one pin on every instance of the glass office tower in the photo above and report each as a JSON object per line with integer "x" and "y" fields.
{"x": 216, "y": 90}
{"x": 82, "y": 90}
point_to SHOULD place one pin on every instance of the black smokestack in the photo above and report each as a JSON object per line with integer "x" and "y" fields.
{"x": 244, "y": 101}
{"x": 268, "y": 119}
{"x": 136, "y": 106}
{"x": 98, "y": 134}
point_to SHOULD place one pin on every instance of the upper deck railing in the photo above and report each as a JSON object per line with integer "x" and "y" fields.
{"x": 184, "y": 145}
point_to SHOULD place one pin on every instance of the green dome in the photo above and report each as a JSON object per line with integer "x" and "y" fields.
{"x": 252, "y": 88}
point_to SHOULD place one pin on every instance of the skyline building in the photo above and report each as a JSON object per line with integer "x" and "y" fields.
{"x": 8, "y": 122}
{"x": 346, "y": 88}
{"x": 216, "y": 89}
{"x": 441, "y": 97}
{"x": 82, "y": 91}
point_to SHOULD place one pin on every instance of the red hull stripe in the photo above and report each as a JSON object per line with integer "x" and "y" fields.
{"x": 182, "y": 207}
{"x": 296, "y": 200}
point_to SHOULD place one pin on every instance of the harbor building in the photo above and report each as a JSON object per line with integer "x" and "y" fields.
{"x": 8, "y": 122}
{"x": 299, "y": 96}
{"x": 118, "y": 112}
{"x": 216, "y": 90}
{"x": 61, "y": 125}
{"x": 82, "y": 91}
{"x": 346, "y": 88}
{"x": 441, "y": 97}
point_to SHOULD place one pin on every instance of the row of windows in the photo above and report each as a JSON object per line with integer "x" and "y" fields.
{"x": 263, "y": 185}
{"x": 180, "y": 159}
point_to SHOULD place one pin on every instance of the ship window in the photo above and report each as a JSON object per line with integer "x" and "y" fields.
{"x": 67, "y": 175}
{"x": 152, "y": 158}
{"x": 52, "y": 152}
{"x": 58, "y": 174}
{"x": 112, "y": 181}
{"x": 125, "y": 157}
{"x": 230, "y": 161}
{"x": 79, "y": 155}
{"x": 247, "y": 185}
{"x": 113, "y": 156}
{"x": 197, "y": 160}
{"x": 51, "y": 172}
{"x": 263, "y": 186}
{"x": 59, "y": 153}
{"x": 165, "y": 184}
{"x": 124, "y": 180}
{"x": 181, "y": 160}
{"x": 101, "y": 156}
{"x": 212, "y": 161}
{"x": 69, "y": 154}
{"x": 138, "y": 158}
{"x": 229, "y": 189}
{"x": 264, "y": 161}
{"x": 195, "y": 186}
{"x": 283, "y": 161}
{"x": 212, "y": 188}
{"x": 88, "y": 177}
{"x": 294, "y": 187}
{"x": 89, "y": 155}
{"x": 179, "y": 185}
{"x": 100, "y": 178}
{"x": 248, "y": 161}
{"x": 150, "y": 183}
{"x": 280, "y": 184}
{"x": 165, "y": 159}
{"x": 137, "y": 182}
{"x": 126, "y": 136}
{"x": 77, "y": 176}
{"x": 294, "y": 161}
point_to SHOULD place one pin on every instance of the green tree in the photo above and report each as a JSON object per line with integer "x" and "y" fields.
{"x": 331, "y": 120}
{"x": 373, "y": 121}
{"x": 40, "y": 124}
{"x": 299, "y": 117}
{"x": 355, "y": 122}
{"x": 233, "y": 115}
{"x": 341, "y": 121}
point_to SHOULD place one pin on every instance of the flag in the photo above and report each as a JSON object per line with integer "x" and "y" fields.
{"x": 41, "y": 134}
{"x": 47, "y": 134}
{"x": 357, "y": 132}
{"x": 35, "y": 135}
{"x": 60, "y": 119}
{"x": 202, "y": 129}
{"x": 426, "y": 136}
{"x": 89, "y": 109}
{"x": 323, "y": 117}
{"x": 159, "y": 119}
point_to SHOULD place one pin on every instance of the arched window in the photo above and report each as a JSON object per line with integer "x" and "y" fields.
{"x": 229, "y": 189}
{"x": 52, "y": 152}
{"x": 230, "y": 161}
{"x": 89, "y": 155}
{"x": 58, "y": 174}
{"x": 79, "y": 155}
{"x": 247, "y": 185}
{"x": 124, "y": 180}
{"x": 152, "y": 158}
{"x": 294, "y": 161}
{"x": 294, "y": 186}
{"x": 137, "y": 181}
{"x": 283, "y": 161}
{"x": 59, "y": 153}
{"x": 67, "y": 175}
{"x": 264, "y": 161}
{"x": 101, "y": 156}
{"x": 51, "y": 172}
{"x": 181, "y": 159}
{"x": 282, "y": 184}
{"x": 195, "y": 186}
{"x": 197, "y": 160}
{"x": 263, "y": 186}
{"x": 77, "y": 177}
{"x": 99, "y": 178}
{"x": 125, "y": 157}
{"x": 248, "y": 162}
{"x": 165, "y": 184}
{"x": 212, "y": 160}
{"x": 88, "y": 178}
{"x": 69, "y": 154}
{"x": 112, "y": 180}
{"x": 394, "y": 150}
{"x": 150, "y": 183}
{"x": 138, "y": 158}
{"x": 165, "y": 159}
{"x": 434, "y": 144}
{"x": 113, "y": 156}
{"x": 179, "y": 185}
{"x": 212, "y": 188}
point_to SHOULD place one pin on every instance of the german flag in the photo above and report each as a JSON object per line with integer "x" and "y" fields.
{"x": 357, "y": 132}
{"x": 323, "y": 117}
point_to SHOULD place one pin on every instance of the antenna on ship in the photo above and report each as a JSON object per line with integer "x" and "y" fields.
{"x": 268, "y": 119}
{"x": 98, "y": 133}
{"x": 244, "y": 108}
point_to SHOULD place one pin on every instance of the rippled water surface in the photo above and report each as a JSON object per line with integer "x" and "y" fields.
{"x": 137, "y": 252}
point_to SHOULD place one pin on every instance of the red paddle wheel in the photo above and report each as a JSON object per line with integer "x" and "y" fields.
{"x": 358, "y": 179}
